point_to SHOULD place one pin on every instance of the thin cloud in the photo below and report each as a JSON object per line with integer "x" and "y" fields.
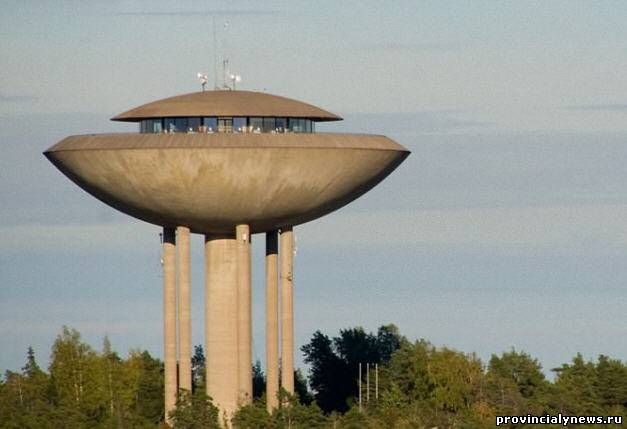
{"x": 601, "y": 107}
{"x": 13, "y": 98}
{"x": 188, "y": 13}
{"x": 412, "y": 47}
{"x": 602, "y": 226}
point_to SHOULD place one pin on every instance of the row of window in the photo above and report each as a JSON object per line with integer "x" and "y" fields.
{"x": 226, "y": 125}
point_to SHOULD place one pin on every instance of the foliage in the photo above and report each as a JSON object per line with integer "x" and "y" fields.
{"x": 420, "y": 386}
{"x": 194, "y": 411}
{"x": 335, "y": 362}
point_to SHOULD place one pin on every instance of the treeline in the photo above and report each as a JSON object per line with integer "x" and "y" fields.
{"x": 418, "y": 386}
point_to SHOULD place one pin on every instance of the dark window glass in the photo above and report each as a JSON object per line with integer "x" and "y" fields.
{"x": 211, "y": 124}
{"x": 255, "y": 125}
{"x": 225, "y": 125}
{"x": 281, "y": 124}
{"x": 181, "y": 125}
{"x": 268, "y": 125}
{"x": 194, "y": 124}
{"x": 168, "y": 125}
{"x": 297, "y": 125}
{"x": 239, "y": 125}
{"x": 307, "y": 125}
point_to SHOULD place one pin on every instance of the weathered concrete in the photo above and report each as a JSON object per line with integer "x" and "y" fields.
{"x": 213, "y": 182}
{"x": 244, "y": 311}
{"x": 272, "y": 321}
{"x": 287, "y": 309}
{"x": 169, "y": 319}
{"x": 185, "y": 323}
{"x": 221, "y": 322}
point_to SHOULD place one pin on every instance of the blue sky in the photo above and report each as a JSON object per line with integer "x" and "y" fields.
{"x": 506, "y": 227}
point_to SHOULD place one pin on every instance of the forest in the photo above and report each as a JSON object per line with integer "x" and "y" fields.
{"x": 416, "y": 385}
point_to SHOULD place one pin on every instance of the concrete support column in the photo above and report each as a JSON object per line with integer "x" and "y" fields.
{"x": 221, "y": 322}
{"x": 287, "y": 309}
{"x": 185, "y": 323}
{"x": 244, "y": 318}
{"x": 169, "y": 319}
{"x": 272, "y": 321}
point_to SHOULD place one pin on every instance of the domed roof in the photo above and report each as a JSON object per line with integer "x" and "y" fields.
{"x": 226, "y": 103}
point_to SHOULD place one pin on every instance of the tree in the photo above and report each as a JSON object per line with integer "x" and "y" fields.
{"x": 335, "y": 363}
{"x": 198, "y": 369}
{"x": 259, "y": 381}
{"x": 522, "y": 369}
{"x": 610, "y": 383}
{"x": 329, "y": 375}
{"x": 73, "y": 372}
{"x": 575, "y": 388}
{"x": 194, "y": 411}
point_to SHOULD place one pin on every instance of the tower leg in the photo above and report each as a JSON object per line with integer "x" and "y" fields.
{"x": 185, "y": 324}
{"x": 287, "y": 309}
{"x": 272, "y": 321}
{"x": 242, "y": 233}
{"x": 221, "y": 322}
{"x": 169, "y": 319}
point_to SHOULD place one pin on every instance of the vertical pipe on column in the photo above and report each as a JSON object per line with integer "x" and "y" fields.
{"x": 287, "y": 309}
{"x": 272, "y": 321}
{"x": 185, "y": 323}
{"x": 244, "y": 322}
{"x": 169, "y": 319}
{"x": 221, "y": 318}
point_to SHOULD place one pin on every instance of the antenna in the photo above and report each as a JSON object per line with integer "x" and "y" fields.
{"x": 202, "y": 77}
{"x": 215, "y": 54}
{"x": 235, "y": 78}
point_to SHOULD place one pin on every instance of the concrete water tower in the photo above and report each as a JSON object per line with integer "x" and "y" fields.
{"x": 227, "y": 164}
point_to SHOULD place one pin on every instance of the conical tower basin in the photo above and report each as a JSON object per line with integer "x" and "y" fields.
{"x": 213, "y": 182}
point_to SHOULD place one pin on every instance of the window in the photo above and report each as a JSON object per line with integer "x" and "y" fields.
{"x": 239, "y": 125}
{"x": 280, "y": 125}
{"x": 211, "y": 124}
{"x": 193, "y": 124}
{"x": 225, "y": 125}
{"x": 255, "y": 125}
{"x": 168, "y": 125}
{"x": 181, "y": 124}
{"x": 268, "y": 125}
{"x": 297, "y": 125}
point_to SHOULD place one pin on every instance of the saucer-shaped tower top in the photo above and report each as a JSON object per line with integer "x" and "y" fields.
{"x": 212, "y": 160}
{"x": 227, "y": 104}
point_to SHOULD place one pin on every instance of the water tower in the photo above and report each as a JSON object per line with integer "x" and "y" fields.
{"x": 227, "y": 164}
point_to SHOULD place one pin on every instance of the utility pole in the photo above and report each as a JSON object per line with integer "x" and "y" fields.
{"x": 359, "y": 386}
{"x": 367, "y": 382}
{"x": 376, "y": 382}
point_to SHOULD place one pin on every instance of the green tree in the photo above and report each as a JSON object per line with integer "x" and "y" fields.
{"x": 194, "y": 411}
{"x": 74, "y": 377}
{"x": 259, "y": 381}
{"x": 198, "y": 369}
{"x": 522, "y": 369}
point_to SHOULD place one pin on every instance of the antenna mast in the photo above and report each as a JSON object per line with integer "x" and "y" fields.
{"x": 215, "y": 54}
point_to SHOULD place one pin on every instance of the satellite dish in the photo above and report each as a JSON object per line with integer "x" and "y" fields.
{"x": 202, "y": 77}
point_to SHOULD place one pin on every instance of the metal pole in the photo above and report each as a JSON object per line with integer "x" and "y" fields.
{"x": 359, "y": 386}
{"x": 376, "y": 381}
{"x": 368, "y": 382}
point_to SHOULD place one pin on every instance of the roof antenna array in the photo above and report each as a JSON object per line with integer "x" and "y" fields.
{"x": 229, "y": 80}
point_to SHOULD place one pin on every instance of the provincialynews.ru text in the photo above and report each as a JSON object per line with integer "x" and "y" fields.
{"x": 559, "y": 419}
